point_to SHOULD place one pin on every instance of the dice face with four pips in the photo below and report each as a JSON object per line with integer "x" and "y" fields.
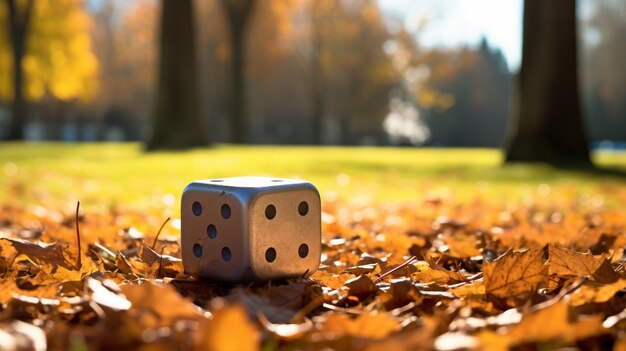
{"x": 250, "y": 229}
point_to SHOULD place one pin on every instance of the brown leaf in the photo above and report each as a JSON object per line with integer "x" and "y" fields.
{"x": 361, "y": 287}
{"x": 362, "y": 269}
{"x": 279, "y": 304}
{"x": 515, "y": 275}
{"x": 439, "y": 275}
{"x": 168, "y": 266}
{"x": 567, "y": 263}
{"x": 149, "y": 256}
{"x": 41, "y": 253}
{"x": 401, "y": 293}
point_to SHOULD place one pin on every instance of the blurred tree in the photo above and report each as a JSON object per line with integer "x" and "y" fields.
{"x": 18, "y": 23}
{"x": 238, "y": 14}
{"x": 177, "y": 119}
{"x": 127, "y": 77}
{"x": 480, "y": 87}
{"x": 604, "y": 72}
{"x": 52, "y": 57}
{"x": 318, "y": 11}
{"x": 348, "y": 73}
{"x": 548, "y": 124}
{"x": 269, "y": 91}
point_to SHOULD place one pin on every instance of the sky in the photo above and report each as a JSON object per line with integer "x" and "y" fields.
{"x": 464, "y": 22}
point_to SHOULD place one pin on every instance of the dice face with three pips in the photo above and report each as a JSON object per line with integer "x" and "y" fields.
{"x": 250, "y": 229}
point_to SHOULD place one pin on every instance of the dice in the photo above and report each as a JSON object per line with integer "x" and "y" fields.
{"x": 250, "y": 229}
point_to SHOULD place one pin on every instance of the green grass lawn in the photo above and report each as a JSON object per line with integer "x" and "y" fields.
{"x": 122, "y": 175}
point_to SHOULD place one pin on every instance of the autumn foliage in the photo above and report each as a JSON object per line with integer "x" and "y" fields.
{"x": 418, "y": 275}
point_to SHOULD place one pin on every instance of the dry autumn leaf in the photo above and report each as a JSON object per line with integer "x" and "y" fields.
{"x": 229, "y": 330}
{"x": 565, "y": 262}
{"x": 515, "y": 275}
{"x": 42, "y": 253}
{"x": 159, "y": 304}
{"x": 371, "y": 326}
{"x": 596, "y": 293}
{"x": 551, "y": 323}
{"x": 389, "y": 280}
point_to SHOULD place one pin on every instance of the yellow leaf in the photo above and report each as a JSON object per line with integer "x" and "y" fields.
{"x": 367, "y": 326}
{"x": 230, "y": 330}
{"x": 159, "y": 304}
{"x": 596, "y": 293}
{"x": 439, "y": 275}
{"x": 475, "y": 288}
{"x": 552, "y": 323}
{"x": 334, "y": 281}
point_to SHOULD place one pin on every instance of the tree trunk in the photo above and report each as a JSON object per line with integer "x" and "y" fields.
{"x": 177, "y": 119}
{"x": 18, "y": 29}
{"x": 238, "y": 15}
{"x": 547, "y": 121}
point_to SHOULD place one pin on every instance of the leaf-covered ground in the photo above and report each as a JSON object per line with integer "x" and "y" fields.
{"x": 422, "y": 275}
{"x": 544, "y": 271}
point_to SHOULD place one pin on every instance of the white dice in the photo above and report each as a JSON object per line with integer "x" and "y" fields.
{"x": 247, "y": 229}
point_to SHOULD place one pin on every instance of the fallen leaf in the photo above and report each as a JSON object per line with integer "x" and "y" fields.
{"x": 149, "y": 256}
{"x": 551, "y": 323}
{"x": 515, "y": 275}
{"x": 469, "y": 290}
{"x": 567, "y": 263}
{"x": 596, "y": 293}
{"x": 275, "y": 310}
{"x": 160, "y": 304}
{"x": 374, "y": 326}
{"x": 168, "y": 266}
{"x": 361, "y": 287}
{"x": 41, "y": 253}
{"x": 229, "y": 330}
{"x": 331, "y": 280}
{"x": 462, "y": 245}
{"x": 400, "y": 293}
{"x": 438, "y": 275}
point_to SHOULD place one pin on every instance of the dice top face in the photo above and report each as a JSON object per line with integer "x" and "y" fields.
{"x": 250, "y": 228}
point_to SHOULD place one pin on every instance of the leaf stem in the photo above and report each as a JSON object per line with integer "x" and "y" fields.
{"x": 156, "y": 238}
{"x": 406, "y": 263}
{"x": 79, "y": 262}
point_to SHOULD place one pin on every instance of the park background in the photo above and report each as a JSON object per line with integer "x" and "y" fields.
{"x": 469, "y": 155}
{"x": 425, "y": 73}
